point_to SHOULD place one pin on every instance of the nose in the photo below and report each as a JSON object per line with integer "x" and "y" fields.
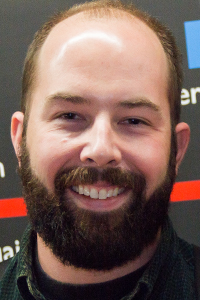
{"x": 101, "y": 148}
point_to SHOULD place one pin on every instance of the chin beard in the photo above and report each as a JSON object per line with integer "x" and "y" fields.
{"x": 95, "y": 240}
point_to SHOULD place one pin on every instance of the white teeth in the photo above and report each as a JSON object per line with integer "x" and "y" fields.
{"x": 86, "y": 191}
{"x": 110, "y": 193}
{"x": 102, "y": 194}
{"x": 80, "y": 189}
{"x": 94, "y": 194}
{"x": 115, "y": 193}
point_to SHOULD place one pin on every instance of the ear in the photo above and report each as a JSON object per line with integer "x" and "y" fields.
{"x": 16, "y": 131}
{"x": 183, "y": 136}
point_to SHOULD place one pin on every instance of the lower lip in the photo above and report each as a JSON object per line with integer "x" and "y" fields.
{"x": 99, "y": 205}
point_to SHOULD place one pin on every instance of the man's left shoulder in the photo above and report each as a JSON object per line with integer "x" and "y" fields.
{"x": 186, "y": 253}
{"x": 183, "y": 271}
{"x": 176, "y": 279}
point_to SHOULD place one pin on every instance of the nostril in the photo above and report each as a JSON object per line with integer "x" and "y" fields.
{"x": 90, "y": 160}
{"x": 111, "y": 161}
{"x": 100, "y": 154}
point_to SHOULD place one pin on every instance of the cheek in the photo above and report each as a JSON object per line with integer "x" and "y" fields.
{"x": 150, "y": 159}
{"x": 50, "y": 153}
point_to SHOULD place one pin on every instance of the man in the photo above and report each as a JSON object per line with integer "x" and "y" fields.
{"x": 99, "y": 144}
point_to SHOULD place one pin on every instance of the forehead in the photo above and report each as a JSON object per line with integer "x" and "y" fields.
{"x": 102, "y": 48}
{"x": 120, "y": 26}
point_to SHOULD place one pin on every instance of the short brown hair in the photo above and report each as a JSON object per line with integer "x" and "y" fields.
{"x": 109, "y": 8}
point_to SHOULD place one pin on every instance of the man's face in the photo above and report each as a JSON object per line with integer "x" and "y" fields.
{"x": 100, "y": 100}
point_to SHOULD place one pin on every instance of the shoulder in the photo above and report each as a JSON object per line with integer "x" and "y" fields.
{"x": 186, "y": 253}
{"x": 19, "y": 268}
{"x": 176, "y": 277}
{"x": 8, "y": 284}
{"x": 181, "y": 277}
{"x": 178, "y": 252}
{"x": 183, "y": 262}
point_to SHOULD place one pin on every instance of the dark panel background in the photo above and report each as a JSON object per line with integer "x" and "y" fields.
{"x": 19, "y": 19}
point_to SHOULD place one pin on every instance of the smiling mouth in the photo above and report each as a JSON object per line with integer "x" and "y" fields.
{"x": 94, "y": 193}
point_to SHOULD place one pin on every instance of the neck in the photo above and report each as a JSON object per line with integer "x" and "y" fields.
{"x": 69, "y": 274}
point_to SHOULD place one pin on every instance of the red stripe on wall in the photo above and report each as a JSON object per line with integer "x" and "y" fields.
{"x": 182, "y": 191}
{"x": 186, "y": 190}
{"x": 10, "y": 208}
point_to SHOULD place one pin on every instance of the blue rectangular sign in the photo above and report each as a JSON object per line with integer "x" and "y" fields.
{"x": 192, "y": 35}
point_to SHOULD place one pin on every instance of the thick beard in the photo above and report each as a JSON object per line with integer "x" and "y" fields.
{"x": 94, "y": 240}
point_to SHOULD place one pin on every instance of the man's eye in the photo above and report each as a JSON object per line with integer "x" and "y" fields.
{"x": 69, "y": 116}
{"x": 134, "y": 121}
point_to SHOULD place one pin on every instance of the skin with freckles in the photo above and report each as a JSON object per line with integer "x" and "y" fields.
{"x": 100, "y": 100}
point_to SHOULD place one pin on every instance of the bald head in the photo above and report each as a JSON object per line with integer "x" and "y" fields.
{"x": 89, "y": 25}
{"x": 98, "y": 49}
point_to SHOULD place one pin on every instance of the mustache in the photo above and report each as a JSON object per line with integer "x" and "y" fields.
{"x": 90, "y": 175}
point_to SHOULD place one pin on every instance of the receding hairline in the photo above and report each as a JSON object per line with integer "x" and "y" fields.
{"x": 107, "y": 13}
{"x": 111, "y": 14}
{"x": 108, "y": 9}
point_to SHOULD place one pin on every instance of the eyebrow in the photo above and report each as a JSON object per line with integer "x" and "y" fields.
{"x": 132, "y": 103}
{"x": 68, "y": 98}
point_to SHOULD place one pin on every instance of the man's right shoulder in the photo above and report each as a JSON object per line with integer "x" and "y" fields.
{"x": 8, "y": 283}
